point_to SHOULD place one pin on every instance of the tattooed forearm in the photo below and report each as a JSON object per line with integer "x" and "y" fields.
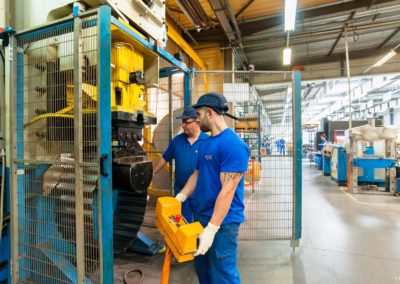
{"x": 226, "y": 177}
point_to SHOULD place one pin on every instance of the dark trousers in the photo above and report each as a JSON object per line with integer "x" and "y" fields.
{"x": 219, "y": 264}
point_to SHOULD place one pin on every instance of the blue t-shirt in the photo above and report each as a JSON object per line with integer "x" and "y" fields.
{"x": 185, "y": 156}
{"x": 321, "y": 146}
{"x": 225, "y": 152}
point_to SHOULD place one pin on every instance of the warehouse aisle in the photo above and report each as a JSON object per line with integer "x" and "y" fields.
{"x": 346, "y": 239}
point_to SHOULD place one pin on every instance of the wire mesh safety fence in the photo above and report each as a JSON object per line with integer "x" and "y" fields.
{"x": 56, "y": 141}
{"x": 262, "y": 102}
{"x": 167, "y": 102}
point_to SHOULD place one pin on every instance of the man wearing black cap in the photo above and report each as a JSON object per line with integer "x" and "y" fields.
{"x": 184, "y": 149}
{"x": 217, "y": 187}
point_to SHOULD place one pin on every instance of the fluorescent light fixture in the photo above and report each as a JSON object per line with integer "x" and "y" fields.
{"x": 383, "y": 60}
{"x": 290, "y": 14}
{"x": 287, "y": 56}
{"x": 386, "y": 58}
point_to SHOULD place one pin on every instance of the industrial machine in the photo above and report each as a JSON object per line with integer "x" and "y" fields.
{"x": 132, "y": 171}
{"x": 339, "y": 165}
{"x": 326, "y": 159}
{"x": 318, "y": 160}
{"x": 79, "y": 115}
{"x": 372, "y": 167}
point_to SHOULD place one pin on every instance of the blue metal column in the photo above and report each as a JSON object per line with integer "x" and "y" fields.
{"x": 104, "y": 138}
{"x": 298, "y": 154}
{"x": 20, "y": 154}
{"x": 187, "y": 98}
{"x": 7, "y": 120}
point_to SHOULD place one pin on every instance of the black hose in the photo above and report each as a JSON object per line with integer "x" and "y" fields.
{"x": 4, "y": 64}
{"x": 2, "y": 57}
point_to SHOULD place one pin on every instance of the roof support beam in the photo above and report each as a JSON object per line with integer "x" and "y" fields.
{"x": 336, "y": 57}
{"x": 388, "y": 38}
{"x": 252, "y": 27}
{"x": 243, "y": 8}
{"x": 341, "y": 33}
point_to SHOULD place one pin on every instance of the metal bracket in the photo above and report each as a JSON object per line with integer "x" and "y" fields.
{"x": 75, "y": 11}
{"x": 5, "y": 34}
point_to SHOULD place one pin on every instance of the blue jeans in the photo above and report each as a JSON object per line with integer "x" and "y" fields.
{"x": 187, "y": 211}
{"x": 219, "y": 264}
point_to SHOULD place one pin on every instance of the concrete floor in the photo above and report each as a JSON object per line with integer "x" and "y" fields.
{"x": 346, "y": 239}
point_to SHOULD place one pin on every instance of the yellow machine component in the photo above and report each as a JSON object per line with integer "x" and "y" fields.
{"x": 125, "y": 59}
{"x": 130, "y": 62}
{"x": 179, "y": 236}
{"x": 127, "y": 85}
{"x": 89, "y": 96}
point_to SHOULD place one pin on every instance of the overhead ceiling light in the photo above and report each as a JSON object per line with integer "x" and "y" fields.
{"x": 290, "y": 14}
{"x": 386, "y": 58}
{"x": 287, "y": 56}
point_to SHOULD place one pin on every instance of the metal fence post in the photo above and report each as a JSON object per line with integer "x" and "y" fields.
{"x": 104, "y": 136}
{"x": 297, "y": 185}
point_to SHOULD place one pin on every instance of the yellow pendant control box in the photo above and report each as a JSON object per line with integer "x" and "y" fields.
{"x": 178, "y": 235}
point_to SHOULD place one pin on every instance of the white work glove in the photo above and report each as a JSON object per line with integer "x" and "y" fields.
{"x": 181, "y": 197}
{"x": 206, "y": 238}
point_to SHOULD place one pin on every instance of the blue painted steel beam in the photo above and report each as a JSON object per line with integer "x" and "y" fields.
{"x": 187, "y": 91}
{"x": 374, "y": 163}
{"x": 64, "y": 265}
{"x": 298, "y": 147}
{"x": 20, "y": 166}
{"x": 49, "y": 31}
{"x": 169, "y": 71}
{"x": 104, "y": 138}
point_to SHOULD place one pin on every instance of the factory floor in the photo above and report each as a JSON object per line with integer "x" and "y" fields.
{"x": 346, "y": 239}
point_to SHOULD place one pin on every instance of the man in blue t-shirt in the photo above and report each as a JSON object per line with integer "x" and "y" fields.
{"x": 323, "y": 141}
{"x": 184, "y": 150}
{"x": 217, "y": 187}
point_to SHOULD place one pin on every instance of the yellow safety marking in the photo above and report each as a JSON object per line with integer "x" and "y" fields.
{"x": 344, "y": 189}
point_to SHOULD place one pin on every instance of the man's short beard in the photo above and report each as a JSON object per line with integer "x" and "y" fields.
{"x": 205, "y": 128}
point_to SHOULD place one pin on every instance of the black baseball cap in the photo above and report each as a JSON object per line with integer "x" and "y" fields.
{"x": 188, "y": 112}
{"x": 214, "y": 100}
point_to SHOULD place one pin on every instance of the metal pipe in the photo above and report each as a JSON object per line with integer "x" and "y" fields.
{"x": 199, "y": 11}
{"x": 78, "y": 152}
{"x": 318, "y": 34}
{"x": 348, "y": 73}
{"x": 237, "y": 29}
{"x": 189, "y": 13}
{"x": 176, "y": 21}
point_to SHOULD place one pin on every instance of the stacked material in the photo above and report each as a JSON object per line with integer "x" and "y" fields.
{"x": 371, "y": 133}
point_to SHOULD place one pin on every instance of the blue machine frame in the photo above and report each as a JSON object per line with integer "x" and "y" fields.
{"x": 369, "y": 166}
{"x": 326, "y": 168}
{"x": 339, "y": 165}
